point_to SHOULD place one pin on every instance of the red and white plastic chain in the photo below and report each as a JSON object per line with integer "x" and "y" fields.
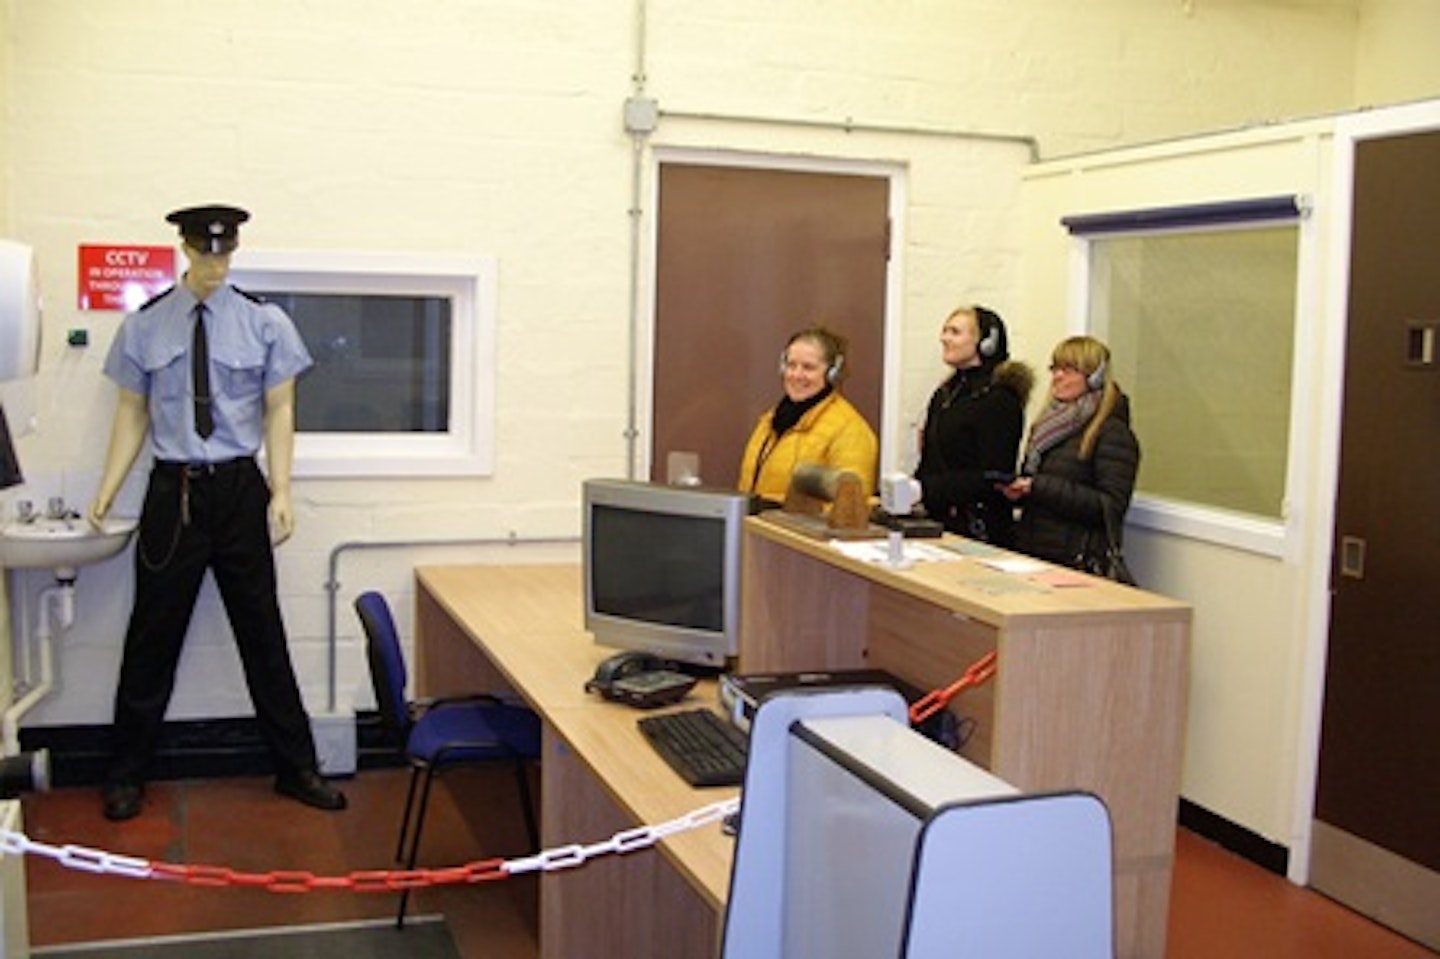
{"x": 290, "y": 881}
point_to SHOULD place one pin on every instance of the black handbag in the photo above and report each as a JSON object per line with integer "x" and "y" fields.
{"x": 1105, "y": 559}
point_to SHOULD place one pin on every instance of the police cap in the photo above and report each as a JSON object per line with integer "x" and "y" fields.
{"x": 210, "y": 229}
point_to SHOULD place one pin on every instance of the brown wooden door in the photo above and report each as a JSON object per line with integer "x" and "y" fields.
{"x": 1377, "y": 836}
{"x": 745, "y": 258}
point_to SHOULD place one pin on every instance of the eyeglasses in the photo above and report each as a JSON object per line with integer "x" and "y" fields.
{"x": 1064, "y": 368}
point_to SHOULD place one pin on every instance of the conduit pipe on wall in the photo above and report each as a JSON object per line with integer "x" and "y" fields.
{"x": 850, "y": 126}
{"x": 332, "y": 584}
{"x": 62, "y": 596}
{"x": 639, "y": 136}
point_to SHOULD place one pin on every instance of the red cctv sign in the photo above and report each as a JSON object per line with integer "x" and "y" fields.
{"x": 123, "y": 277}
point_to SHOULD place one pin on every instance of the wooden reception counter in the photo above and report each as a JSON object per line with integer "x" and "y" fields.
{"x": 1089, "y": 694}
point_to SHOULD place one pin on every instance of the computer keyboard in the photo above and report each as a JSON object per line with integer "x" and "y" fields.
{"x": 703, "y": 748}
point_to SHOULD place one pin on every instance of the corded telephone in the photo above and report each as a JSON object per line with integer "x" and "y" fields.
{"x": 640, "y": 679}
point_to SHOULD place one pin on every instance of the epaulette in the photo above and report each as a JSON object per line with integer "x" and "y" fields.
{"x": 252, "y": 297}
{"x": 155, "y": 299}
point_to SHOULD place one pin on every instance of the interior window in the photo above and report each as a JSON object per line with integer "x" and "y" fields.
{"x": 403, "y": 381}
{"x": 1201, "y": 326}
{"x": 1199, "y": 306}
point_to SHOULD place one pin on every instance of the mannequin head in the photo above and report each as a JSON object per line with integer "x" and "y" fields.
{"x": 207, "y": 271}
{"x": 209, "y": 234}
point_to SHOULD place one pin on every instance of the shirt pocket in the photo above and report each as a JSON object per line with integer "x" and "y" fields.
{"x": 167, "y": 370}
{"x": 241, "y": 374}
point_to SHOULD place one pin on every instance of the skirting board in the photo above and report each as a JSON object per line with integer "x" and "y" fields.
{"x": 1376, "y": 882}
{"x": 205, "y": 749}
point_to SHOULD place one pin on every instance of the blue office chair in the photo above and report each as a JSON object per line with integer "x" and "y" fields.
{"x": 443, "y": 732}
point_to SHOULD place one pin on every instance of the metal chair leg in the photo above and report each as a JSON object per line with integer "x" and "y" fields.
{"x": 405, "y": 820}
{"x": 415, "y": 841}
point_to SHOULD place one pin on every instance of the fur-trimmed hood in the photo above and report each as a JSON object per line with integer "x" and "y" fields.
{"x": 1015, "y": 376}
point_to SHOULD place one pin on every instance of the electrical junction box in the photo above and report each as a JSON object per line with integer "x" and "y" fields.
{"x": 642, "y": 114}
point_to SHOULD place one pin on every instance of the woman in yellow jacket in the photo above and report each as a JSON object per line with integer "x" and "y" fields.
{"x": 812, "y": 423}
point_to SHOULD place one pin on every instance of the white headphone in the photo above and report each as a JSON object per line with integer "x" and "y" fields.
{"x": 989, "y": 344}
{"x": 1096, "y": 380}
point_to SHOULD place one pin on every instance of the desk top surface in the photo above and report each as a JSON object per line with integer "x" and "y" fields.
{"x": 974, "y": 580}
{"x": 528, "y": 621}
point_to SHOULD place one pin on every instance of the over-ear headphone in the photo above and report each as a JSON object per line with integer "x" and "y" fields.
{"x": 988, "y": 325}
{"x": 1097, "y": 379}
{"x": 832, "y": 372}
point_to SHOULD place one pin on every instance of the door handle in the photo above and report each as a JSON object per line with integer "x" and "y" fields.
{"x": 1352, "y": 557}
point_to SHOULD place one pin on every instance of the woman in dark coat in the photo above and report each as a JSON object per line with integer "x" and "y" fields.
{"x": 1080, "y": 462}
{"x": 973, "y": 426}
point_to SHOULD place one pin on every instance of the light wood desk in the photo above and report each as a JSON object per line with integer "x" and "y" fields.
{"x": 519, "y": 628}
{"x": 1089, "y": 694}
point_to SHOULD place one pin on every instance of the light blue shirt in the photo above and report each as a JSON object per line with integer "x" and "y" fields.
{"x": 253, "y": 347}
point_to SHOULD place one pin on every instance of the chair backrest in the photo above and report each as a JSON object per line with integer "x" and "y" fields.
{"x": 387, "y": 662}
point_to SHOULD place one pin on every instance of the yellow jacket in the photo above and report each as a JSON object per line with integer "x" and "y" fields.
{"x": 832, "y": 433}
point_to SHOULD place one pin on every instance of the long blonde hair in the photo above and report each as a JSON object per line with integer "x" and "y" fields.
{"x": 1092, "y": 358}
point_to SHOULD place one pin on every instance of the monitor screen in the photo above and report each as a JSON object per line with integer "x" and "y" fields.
{"x": 662, "y": 569}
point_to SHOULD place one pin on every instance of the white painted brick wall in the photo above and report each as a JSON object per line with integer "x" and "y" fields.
{"x": 494, "y": 128}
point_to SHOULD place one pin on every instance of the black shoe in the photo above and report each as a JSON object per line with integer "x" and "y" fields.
{"x": 122, "y": 800}
{"x": 306, "y": 786}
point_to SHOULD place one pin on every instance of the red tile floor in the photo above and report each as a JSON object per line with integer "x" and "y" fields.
{"x": 1221, "y": 905}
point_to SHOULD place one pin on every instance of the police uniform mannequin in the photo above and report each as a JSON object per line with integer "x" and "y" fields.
{"x": 207, "y": 373}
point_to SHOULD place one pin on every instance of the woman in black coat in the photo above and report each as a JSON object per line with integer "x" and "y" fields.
{"x": 1080, "y": 462}
{"x": 973, "y": 426}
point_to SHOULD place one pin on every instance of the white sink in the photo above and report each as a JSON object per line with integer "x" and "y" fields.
{"x": 61, "y": 544}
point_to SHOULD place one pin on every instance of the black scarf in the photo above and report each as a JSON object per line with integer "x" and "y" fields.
{"x": 788, "y": 412}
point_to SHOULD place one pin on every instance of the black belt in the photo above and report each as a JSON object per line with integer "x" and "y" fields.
{"x": 184, "y": 468}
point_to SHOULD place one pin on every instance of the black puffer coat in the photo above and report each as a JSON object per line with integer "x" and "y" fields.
{"x": 974, "y": 423}
{"x": 1063, "y": 516}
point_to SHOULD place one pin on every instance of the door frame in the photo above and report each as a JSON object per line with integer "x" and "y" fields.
{"x": 1350, "y": 130}
{"x": 644, "y": 356}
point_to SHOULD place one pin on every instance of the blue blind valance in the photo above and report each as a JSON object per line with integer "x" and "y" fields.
{"x": 1195, "y": 215}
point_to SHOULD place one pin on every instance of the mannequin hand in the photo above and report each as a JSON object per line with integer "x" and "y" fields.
{"x": 97, "y": 512}
{"x": 282, "y": 520}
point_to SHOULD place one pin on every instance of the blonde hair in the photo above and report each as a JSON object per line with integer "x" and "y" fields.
{"x": 1089, "y": 356}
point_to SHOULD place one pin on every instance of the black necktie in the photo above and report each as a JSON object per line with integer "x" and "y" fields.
{"x": 200, "y": 373}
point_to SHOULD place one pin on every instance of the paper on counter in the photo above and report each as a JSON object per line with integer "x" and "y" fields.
{"x": 1019, "y": 565}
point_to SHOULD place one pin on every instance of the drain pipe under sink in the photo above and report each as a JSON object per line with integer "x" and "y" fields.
{"x": 62, "y": 594}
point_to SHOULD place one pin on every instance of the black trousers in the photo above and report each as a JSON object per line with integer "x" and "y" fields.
{"x": 194, "y": 519}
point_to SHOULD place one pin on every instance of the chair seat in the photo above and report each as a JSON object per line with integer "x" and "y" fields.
{"x": 448, "y": 733}
{"x": 470, "y": 732}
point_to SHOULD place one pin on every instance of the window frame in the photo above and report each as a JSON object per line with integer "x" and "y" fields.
{"x": 466, "y": 448}
{"x": 1267, "y": 536}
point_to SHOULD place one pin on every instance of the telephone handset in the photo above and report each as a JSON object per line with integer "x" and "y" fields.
{"x": 640, "y": 679}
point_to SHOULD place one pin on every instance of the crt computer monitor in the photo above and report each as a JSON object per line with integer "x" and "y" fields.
{"x": 662, "y": 569}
